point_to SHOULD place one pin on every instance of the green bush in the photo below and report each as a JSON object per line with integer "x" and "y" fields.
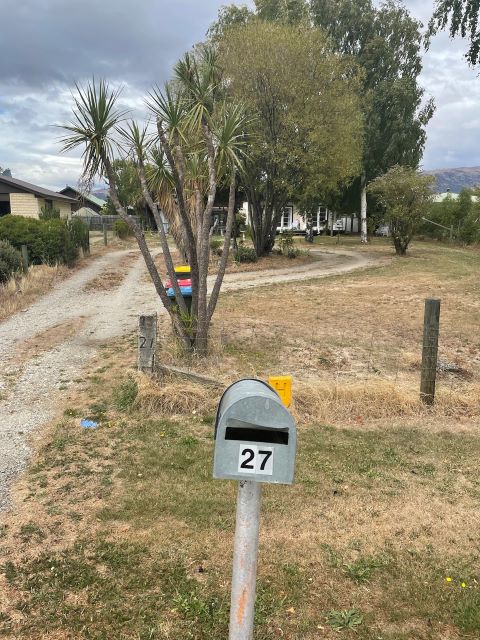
{"x": 121, "y": 229}
{"x": 49, "y": 213}
{"x": 48, "y": 241}
{"x": 286, "y": 245}
{"x": 10, "y": 261}
{"x": 79, "y": 232}
{"x": 216, "y": 245}
{"x": 245, "y": 254}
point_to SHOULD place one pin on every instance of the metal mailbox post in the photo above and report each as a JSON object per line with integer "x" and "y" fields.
{"x": 255, "y": 442}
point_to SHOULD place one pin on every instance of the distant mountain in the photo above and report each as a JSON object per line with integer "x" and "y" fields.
{"x": 101, "y": 193}
{"x": 455, "y": 179}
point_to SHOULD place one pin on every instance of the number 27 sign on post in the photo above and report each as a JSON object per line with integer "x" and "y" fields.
{"x": 254, "y": 459}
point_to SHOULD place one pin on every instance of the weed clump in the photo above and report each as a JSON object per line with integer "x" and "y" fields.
{"x": 125, "y": 395}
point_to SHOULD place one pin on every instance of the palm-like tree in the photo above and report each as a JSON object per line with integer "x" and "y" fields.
{"x": 198, "y": 143}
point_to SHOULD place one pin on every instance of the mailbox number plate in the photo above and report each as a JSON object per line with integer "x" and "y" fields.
{"x": 255, "y": 459}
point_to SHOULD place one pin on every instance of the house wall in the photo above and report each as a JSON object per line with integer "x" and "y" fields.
{"x": 65, "y": 208}
{"x": 24, "y": 204}
{"x": 29, "y": 206}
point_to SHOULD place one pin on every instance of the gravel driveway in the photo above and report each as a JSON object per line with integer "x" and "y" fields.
{"x": 30, "y": 386}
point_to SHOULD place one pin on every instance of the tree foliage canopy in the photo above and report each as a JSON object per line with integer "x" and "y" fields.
{"x": 460, "y": 17}
{"x": 405, "y": 194}
{"x": 306, "y": 129}
{"x": 386, "y": 43}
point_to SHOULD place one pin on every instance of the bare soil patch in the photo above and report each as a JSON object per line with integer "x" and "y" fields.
{"x": 48, "y": 339}
{"x": 112, "y": 278}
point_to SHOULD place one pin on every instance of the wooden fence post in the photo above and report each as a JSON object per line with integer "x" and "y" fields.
{"x": 105, "y": 239}
{"x": 147, "y": 342}
{"x": 431, "y": 325}
{"x": 25, "y": 261}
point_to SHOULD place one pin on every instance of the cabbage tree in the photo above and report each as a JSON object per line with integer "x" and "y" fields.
{"x": 196, "y": 144}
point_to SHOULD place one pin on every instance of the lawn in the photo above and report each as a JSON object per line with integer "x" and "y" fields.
{"x": 121, "y": 532}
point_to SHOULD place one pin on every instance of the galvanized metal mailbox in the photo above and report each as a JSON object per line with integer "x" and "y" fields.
{"x": 255, "y": 435}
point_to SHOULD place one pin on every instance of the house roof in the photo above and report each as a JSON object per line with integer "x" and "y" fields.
{"x": 31, "y": 188}
{"x": 88, "y": 197}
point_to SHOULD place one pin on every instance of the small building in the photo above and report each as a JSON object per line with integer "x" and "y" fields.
{"x": 24, "y": 199}
{"x": 83, "y": 199}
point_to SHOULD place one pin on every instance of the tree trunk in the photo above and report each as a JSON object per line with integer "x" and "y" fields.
{"x": 163, "y": 239}
{"x": 363, "y": 208}
{"x": 226, "y": 249}
{"x": 201, "y": 340}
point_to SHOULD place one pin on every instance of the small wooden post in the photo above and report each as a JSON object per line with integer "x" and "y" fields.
{"x": 105, "y": 239}
{"x": 25, "y": 261}
{"x": 147, "y": 342}
{"x": 431, "y": 325}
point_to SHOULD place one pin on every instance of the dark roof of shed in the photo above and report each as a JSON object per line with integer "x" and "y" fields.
{"x": 31, "y": 188}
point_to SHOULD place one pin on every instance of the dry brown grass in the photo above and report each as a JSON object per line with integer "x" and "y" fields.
{"x": 171, "y": 396}
{"x": 20, "y": 292}
{"x": 378, "y": 474}
{"x": 379, "y": 400}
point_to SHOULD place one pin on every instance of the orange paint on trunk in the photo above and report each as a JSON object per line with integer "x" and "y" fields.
{"x": 241, "y": 607}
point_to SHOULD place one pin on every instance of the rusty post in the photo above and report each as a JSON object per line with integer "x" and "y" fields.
{"x": 430, "y": 350}
{"x": 245, "y": 554}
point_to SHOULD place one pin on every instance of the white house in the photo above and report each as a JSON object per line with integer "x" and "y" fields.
{"x": 324, "y": 221}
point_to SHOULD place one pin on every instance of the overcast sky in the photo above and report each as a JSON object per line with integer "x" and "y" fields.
{"x": 47, "y": 45}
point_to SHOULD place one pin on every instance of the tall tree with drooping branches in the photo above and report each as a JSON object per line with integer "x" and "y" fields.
{"x": 460, "y": 18}
{"x": 386, "y": 42}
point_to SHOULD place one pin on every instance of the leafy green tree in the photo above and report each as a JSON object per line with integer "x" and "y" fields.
{"x": 386, "y": 43}
{"x": 200, "y": 135}
{"x": 405, "y": 194}
{"x": 305, "y": 135}
{"x": 228, "y": 17}
{"x": 461, "y": 18}
{"x": 461, "y": 215}
{"x": 289, "y": 11}
{"x": 129, "y": 187}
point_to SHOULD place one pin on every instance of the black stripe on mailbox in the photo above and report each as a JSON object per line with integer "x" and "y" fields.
{"x": 255, "y": 434}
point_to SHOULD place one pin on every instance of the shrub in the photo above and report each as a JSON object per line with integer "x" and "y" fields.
{"x": 58, "y": 243}
{"x": 10, "y": 261}
{"x": 79, "y": 232}
{"x": 48, "y": 241}
{"x": 121, "y": 229}
{"x": 49, "y": 213}
{"x": 216, "y": 245}
{"x": 286, "y": 244}
{"x": 245, "y": 254}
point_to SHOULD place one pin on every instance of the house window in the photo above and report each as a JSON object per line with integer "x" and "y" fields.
{"x": 285, "y": 218}
{"x": 48, "y": 205}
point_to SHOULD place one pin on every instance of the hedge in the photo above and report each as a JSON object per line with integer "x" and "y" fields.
{"x": 53, "y": 241}
{"x": 10, "y": 261}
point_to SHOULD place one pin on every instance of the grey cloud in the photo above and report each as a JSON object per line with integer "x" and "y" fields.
{"x": 64, "y": 40}
{"x": 49, "y": 44}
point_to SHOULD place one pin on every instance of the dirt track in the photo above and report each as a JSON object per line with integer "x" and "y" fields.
{"x": 44, "y": 348}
